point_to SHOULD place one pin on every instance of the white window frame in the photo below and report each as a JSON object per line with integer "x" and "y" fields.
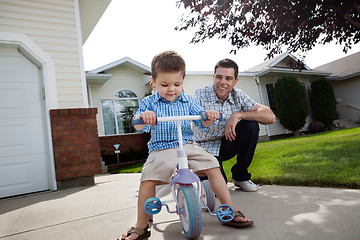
{"x": 115, "y": 115}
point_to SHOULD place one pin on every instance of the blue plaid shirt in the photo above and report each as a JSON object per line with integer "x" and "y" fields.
{"x": 164, "y": 134}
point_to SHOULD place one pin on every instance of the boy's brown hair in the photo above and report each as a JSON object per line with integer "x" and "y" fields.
{"x": 168, "y": 61}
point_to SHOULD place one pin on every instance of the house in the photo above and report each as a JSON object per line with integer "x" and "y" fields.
{"x": 116, "y": 90}
{"x": 108, "y": 82}
{"x": 48, "y": 135}
{"x": 258, "y": 82}
{"x": 345, "y": 79}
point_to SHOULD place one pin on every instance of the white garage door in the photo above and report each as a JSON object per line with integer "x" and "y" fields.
{"x": 23, "y": 151}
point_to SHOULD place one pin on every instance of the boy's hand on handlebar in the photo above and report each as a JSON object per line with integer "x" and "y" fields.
{"x": 148, "y": 117}
{"x": 212, "y": 115}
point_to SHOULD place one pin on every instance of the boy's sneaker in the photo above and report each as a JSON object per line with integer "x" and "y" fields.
{"x": 247, "y": 186}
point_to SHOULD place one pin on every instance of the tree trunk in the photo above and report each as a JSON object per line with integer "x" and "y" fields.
{"x": 296, "y": 132}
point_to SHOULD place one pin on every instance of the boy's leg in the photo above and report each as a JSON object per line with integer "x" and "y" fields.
{"x": 146, "y": 190}
{"x": 219, "y": 187}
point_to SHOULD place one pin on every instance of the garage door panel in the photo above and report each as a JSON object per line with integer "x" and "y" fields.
{"x": 23, "y": 136}
{"x": 18, "y": 137}
{"x": 15, "y": 67}
{"x": 20, "y": 100}
{"x": 11, "y": 63}
{"x": 15, "y": 136}
{"x": 16, "y": 175}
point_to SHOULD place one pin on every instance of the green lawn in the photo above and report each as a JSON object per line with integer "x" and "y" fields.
{"x": 326, "y": 159}
{"x": 329, "y": 159}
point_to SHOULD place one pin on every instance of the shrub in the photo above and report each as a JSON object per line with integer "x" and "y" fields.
{"x": 291, "y": 103}
{"x": 323, "y": 102}
{"x": 315, "y": 127}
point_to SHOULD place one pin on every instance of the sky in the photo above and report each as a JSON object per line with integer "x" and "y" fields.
{"x": 140, "y": 29}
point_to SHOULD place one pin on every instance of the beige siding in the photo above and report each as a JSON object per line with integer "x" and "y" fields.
{"x": 195, "y": 81}
{"x": 51, "y": 25}
{"x": 348, "y": 92}
{"x": 249, "y": 86}
{"x": 122, "y": 78}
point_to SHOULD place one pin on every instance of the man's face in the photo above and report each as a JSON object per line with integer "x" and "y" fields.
{"x": 224, "y": 82}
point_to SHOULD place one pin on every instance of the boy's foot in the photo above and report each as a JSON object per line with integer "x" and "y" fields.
{"x": 247, "y": 186}
{"x": 136, "y": 234}
{"x": 239, "y": 221}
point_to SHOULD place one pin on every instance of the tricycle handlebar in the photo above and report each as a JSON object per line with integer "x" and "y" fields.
{"x": 201, "y": 116}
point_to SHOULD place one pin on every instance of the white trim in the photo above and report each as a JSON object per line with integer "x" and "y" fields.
{"x": 97, "y": 78}
{"x": 282, "y": 57}
{"x": 282, "y": 70}
{"x": 339, "y": 78}
{"x": 90, "y": 96}
{"x": 47, "y": 66}
{"x": 279, "y": 59}
{"x": 119, "y": 62}
{"x": 257, "y": 80}
{"x": 81, "y": 57}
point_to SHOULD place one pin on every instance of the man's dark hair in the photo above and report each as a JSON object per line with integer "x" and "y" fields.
{"x": 227, "y": 63}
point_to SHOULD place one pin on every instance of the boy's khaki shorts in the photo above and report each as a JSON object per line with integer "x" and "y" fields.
{"x": 161, "y": 164}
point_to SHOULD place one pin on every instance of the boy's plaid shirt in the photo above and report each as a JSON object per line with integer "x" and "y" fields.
{"x": 164, "y": 134}
{"x": 210, "y": 138}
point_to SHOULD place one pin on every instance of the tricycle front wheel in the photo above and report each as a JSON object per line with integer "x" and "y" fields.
{"x": 189, "y": 210}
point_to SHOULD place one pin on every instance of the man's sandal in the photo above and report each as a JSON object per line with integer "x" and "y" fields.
{"x": 236, "y": 224}
{"x": 143, "y": 233}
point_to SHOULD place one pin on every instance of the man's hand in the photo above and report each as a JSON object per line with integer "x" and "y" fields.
{"x": 230, "y": 133}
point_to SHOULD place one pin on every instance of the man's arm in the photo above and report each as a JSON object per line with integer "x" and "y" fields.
{"x": 258, "y": 113}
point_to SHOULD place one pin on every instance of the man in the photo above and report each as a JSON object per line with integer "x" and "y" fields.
{"x": 237, "y": 133}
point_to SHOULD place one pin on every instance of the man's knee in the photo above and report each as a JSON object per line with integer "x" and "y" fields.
{"x": 250, "y": 127}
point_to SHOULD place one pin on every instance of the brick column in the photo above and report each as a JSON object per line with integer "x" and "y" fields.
{"x": 76, "y": 146}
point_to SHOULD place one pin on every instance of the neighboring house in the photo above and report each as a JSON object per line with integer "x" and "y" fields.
{"x": 259, "y": 81}
{"x": 345, "y": 79}
{"x": 116, "y": 90}
{"x": 109, "y": 82}
{"x": 48, "y": 135}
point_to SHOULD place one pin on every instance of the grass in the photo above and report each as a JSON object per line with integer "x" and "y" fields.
{"x": 134, "y": 168}
{"x": 329, "y": 159}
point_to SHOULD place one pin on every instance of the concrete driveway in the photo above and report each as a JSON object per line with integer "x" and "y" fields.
{"x": 106, "y": 210}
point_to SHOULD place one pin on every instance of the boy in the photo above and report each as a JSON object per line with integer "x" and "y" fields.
{"x": 168, "y": 72}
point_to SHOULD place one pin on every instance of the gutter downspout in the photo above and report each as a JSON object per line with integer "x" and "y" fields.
{"x": 257, "y": 80}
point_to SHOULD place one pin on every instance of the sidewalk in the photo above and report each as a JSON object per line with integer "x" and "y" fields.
{"x": 106, "y": 210}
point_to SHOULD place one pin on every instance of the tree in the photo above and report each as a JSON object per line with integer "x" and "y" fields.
{"x": 291, "y": 103}
{"x": 323, "y": 102}
{"x": 297, "y": 24}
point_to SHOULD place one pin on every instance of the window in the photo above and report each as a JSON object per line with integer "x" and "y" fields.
{"x": 270, "y": 94}
{"x": 118, "y": 112}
